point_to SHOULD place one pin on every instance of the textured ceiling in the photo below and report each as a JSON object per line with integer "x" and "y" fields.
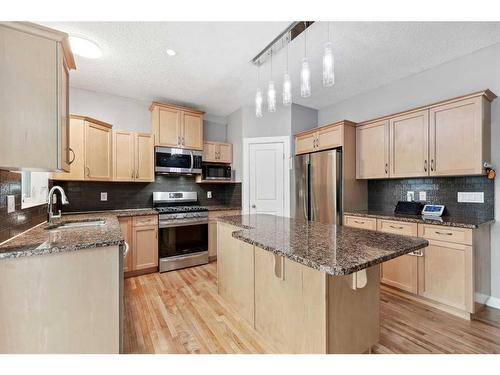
{"x": 212, "y": 69}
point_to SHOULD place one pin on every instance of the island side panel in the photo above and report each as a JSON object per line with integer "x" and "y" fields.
{"x": 61, "y": 303}
{"x": 235, "y": 271}
{"x": 353, "y": 315}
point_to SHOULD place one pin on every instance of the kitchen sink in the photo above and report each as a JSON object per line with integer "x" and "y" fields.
{"x": 77, "y": 224}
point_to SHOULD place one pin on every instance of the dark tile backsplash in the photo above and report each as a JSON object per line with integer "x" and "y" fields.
{"x": 85, "y": 195}
{"x": 20, "y": 220}
{"x": 384, "y": 194}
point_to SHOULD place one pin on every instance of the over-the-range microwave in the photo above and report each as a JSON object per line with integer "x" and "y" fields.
{"x": 216, "y": 172}
{"x": 177, "y": 160}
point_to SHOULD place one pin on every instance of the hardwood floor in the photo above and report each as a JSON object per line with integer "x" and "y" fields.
{"x": 181, "y": 312}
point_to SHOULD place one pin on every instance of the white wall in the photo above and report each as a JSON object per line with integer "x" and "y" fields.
{"x": 474, "y": 72}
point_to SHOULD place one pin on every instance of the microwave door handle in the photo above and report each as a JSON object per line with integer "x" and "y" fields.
{"x": 192, "y": 159}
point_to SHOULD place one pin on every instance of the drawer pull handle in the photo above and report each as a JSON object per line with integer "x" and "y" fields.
{"x": 416, "y": 253}
{"x": 395, "y": 227}
{"x": 359, "y": 222}
{"x": 444, "y": 233}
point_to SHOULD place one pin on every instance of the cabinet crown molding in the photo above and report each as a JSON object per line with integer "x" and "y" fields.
{"x": 319, "y": 128}
{"x": 173, "y": 106}
{"x": 90, "y": 119}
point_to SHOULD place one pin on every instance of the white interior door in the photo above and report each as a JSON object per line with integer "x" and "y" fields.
{"x": 266, "y": 178}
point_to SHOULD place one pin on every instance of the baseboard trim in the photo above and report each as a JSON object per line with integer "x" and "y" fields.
{"x": 493, "y": 302}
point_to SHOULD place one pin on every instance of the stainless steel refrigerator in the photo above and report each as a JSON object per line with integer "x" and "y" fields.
{"x": 318, "y": 186}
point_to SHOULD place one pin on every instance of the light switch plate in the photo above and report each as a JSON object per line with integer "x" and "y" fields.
{"x": 11, "y": 204}
{"x": 470, "y": 197}
{"x": 422, "y": 196}
{"x": 104, "y": 197}
{"x": 209, "y": 194}
{"x": 410, "y": 196}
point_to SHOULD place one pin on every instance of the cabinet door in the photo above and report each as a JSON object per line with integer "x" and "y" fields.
{"x": 290, "y": 304}
{"x": 98, "y": 155}
{"x": 145, "y": 247}
{"x": 169, "y": 128}
{"x": 123, "y": 156}
{"x": 209, "y": 151}
{"x": 457, "y": 139}
{"x": 77, "y": 146}
{"x": 126, "y": 227}
{"x": 144, "y": 157}
{"x": 235, "y": 271}
{"x": 409, "y": 145}
{"x": 192, "y": 131}
{"x": 225, "y": 153}
{"x": 329, "y": 138}
{"x": 63, "y": 108}
{"x": 305, "y": 143}
{"x": 445, "y": 274}
{"x": 212, "y": 239}
{"x": 372, "y": 150}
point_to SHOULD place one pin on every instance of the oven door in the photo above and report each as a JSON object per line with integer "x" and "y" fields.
{"x": 173, "y": 160}
{"x": 182, "y": 238}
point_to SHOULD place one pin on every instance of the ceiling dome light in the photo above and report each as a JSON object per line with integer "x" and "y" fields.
{"x": 84, "y": 47}
{"x": 171, "y": 52}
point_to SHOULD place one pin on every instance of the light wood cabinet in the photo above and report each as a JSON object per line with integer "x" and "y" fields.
{"x": 409, "y": 145}
{"x": 372, "y": 150}
{"x": 212, "y": 230}
{"x": 360, "y": 222}
{"x": 400, "y": 272}
{"x": 305, "y": 143}
{"x": 460, "y": 137}
{"x": 34, "y": 73}
{"x": 133, "y": 156}
{"x": 141, "y": 234}
{"x": 77, "y": 151}
{"x": 98, "y": 151}
{"x": 235, "y": 272}
{"x": 290, "y": 303}
{"x": 323, "y": 138}
{"x": 217, "y": 152}
{"x": 176, "y": 126}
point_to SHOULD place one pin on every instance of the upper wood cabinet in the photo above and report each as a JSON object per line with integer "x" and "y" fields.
{"x": 409, "y": 145}
{"x": 372, "y": 150}
{"x": 133, "y": 156}
{"x": 90, "y": 150}
{"x": 323, "y": 138}
{"x": 450, "y": 138}
{"x": 217, "y": 152}
{"x": 175, "y": 126}
{"x": 34, "y": 73}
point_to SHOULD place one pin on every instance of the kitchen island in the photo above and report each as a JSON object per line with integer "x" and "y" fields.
{"x": 308, "y": 287}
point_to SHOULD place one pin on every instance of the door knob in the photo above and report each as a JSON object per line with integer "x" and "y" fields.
{"x": 254, "y": 206}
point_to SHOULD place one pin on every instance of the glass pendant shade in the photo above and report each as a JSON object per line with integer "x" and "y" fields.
{"x": 305, "y": 79}
{"x": 328, "y": 66}
{"x": 258, "y": 103}
{"x": 271, "y": 97}
{"x": 287, "y": 89}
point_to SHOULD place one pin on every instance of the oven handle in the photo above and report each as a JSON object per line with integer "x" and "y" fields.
{"x": 181, "y": 224}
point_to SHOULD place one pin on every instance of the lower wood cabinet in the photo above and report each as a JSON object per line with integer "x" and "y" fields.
{"x": 141, "y": 234}
{"x": 212, "y": 230}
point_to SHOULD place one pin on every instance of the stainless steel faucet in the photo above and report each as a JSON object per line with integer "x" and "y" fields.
{"x": 64, "y": 200}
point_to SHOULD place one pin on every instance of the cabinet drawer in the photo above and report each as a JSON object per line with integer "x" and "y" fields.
{"x": 397, "y": 227}
{"x": 145, "y": 220}
{"x": 447, "y": 234}
{"x": 360, "y": 222}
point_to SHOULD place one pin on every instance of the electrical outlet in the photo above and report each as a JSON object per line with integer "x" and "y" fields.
{"x": 209, "y": 194}
{"x": 410, "y": 196}
{"x": 104, "y": 197}
{"x": 468, "y": 197}
{"x": 11, "y": 204}
{"x": 422, "y": 196}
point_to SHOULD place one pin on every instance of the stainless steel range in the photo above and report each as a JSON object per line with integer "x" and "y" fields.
{"x": 183, "y": 230}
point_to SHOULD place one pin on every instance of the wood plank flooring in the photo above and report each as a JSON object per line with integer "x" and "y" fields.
{"x": 181, "y": 312}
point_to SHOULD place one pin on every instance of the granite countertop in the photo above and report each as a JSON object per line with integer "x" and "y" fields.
{"x": 39, "y": 240}
{"x": 333, "y": 249}
{"x": 460, "y": 221}
{"x": 118, "y": 213}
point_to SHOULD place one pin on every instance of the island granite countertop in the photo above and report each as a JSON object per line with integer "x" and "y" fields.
{"x": 40, "y": 240}
{"x": 459, "y": 221}
{"x": 333, "y": 249}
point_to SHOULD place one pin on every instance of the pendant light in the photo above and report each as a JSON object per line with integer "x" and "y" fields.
{"x": 271, "y": 91}
{"x": 305, "y": 72}
{"x": 328, "y": 62}
{"x": 287, "y": 83}
{"x": 258, "y": 96}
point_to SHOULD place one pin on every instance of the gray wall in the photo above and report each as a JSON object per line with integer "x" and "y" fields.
{"x": 235, "y": 136}
{"x": 131, "y": 114}
{"x": 467, "y": 74}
